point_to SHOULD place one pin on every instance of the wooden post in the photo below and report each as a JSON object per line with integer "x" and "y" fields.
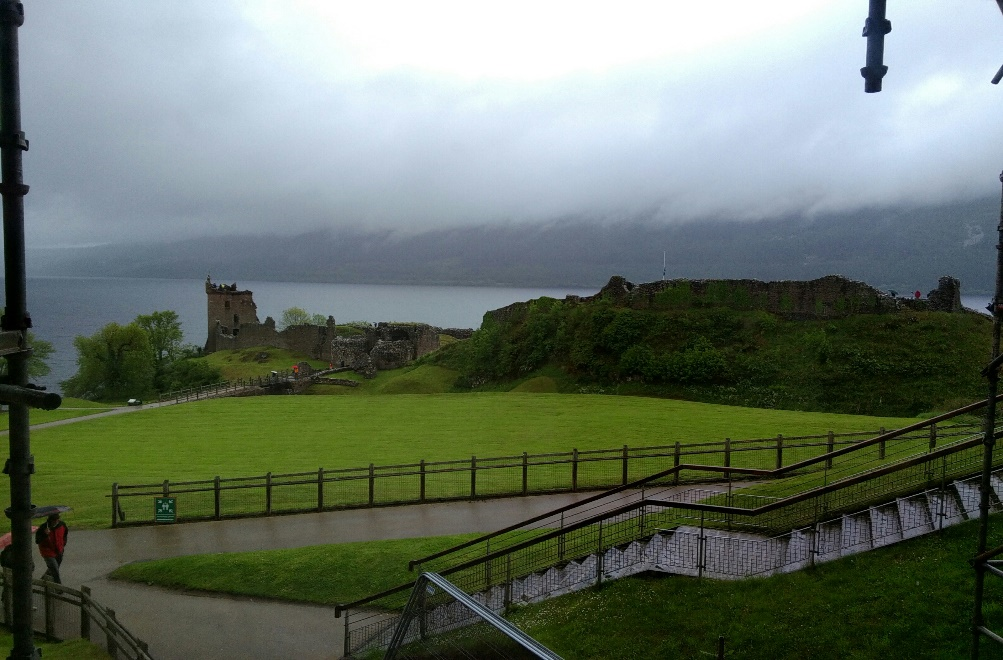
{"x": 320, "y": 489}
{"x": 933, "y": 437}
{"x": 268, "y": 494}
{"x": 372, "y": 484}
{"x": 85, "y": 612}
{"x": 421, "y": 490}
{"x": 112, "y": 644}
{"x": 624, "y": 477}
{"x": 574, "y": 470}
{"x": 50, "y": 612}
{"x": 727, "y": 457}
{"x": 215, "y": 497}
{"x": 473, "y": 477}
{"x": 881, "y": 445}
{"x": 114, "y": 504}
{"x": 167, "y": 488}
{"x": 525, "y": 473}
{"x": 780, "y": 451}
{"x": 675, "y": 461}
{"x": 830, "y": 445}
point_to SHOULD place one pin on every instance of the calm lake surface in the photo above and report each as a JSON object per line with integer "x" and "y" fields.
{"x": 63, "y": 307}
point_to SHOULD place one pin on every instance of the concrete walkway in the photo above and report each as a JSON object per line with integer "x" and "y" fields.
{"x": 183, "y": 626}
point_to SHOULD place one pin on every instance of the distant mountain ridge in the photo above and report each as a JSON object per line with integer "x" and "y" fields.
{"x": 890, "y": 248}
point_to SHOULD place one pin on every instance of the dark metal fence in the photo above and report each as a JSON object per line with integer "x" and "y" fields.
{"x": 61, "y": 613}
{"x": 582, "y": 534}
{"x": 480, "y": 477}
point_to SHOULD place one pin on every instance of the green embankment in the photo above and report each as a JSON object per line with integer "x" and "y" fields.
{"x": 903, "y": 363}
{"x": 909, "y": 600}
{"x": 76, "y": 464}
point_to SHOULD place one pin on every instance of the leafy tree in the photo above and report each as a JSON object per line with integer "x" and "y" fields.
{"x": 41, "y": 351}
{"x": 164, "y": 332}
{"x": 190, "y": 372}
{"x": 299, "y": 316}
{"x": 117, "y": 362}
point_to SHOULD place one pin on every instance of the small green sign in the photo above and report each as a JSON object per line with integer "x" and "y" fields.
{"x": 165, "y": 509}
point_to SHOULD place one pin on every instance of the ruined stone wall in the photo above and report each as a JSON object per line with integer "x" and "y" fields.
{"x": 229, "y": 310}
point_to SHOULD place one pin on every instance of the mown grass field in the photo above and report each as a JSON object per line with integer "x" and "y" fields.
{"x": 77, "y": 463}
{"x": 70, "y": 408}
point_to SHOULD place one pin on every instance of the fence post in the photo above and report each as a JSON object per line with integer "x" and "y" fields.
{"x": 473, "y": 477}
{"x": 830, "y": 445}
{"x": 933, "y": 437}
{"x": 881, "y": 445}
{"x": 574, "y": 470}
{"x": 599, "y": 557}
{"x": 421, "y": 488}
{"x": 50, "y": 612}
{"x": 167, "y": 488}
{"x": 215, "y": 497}
{"x": 114, "y": 504}
{"x": 320, "y": 489}
{"x": 525, "y": 473}
{"x": 624, "y": 465}
{"x": 675, "y": 460}
{"x": 372, "y": 484}
{"x": 727, "y": 458}
{"x": 701, "y": 547}
{"x": 268, "y": 494}
{"x": 85, "y": 612}
{"x": 780, "y": 451}
{"x": 110, "y": 635}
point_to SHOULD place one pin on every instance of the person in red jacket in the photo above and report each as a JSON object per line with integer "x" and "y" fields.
{"x": 51, "y": 539}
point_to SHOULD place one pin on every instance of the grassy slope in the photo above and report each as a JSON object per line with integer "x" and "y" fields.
{"x": 257, "y": 361}
{"x": 77, "y": 463}
{"x": 70, "y": 408}
{"x": 910, "y": 600}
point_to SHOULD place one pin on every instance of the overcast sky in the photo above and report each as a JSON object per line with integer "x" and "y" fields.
{"x": 163, "y": 120}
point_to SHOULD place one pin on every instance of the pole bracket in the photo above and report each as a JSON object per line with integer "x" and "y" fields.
{"x": 12, "y": 13}
{"x": 13, "y": 189}
{"x": 29, "y": 467}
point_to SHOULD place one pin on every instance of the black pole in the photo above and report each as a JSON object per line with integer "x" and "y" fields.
{"x": 875, "y": 28}
{"x": 16, "y": 319}
{"x": 992, "y": 372}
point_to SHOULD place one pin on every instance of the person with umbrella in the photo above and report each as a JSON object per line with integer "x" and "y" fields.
{"x": 51, "y": 539}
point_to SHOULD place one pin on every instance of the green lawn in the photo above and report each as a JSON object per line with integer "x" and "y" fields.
{"x": 70, "y": 408}
{"x": 76, "y": 649}
{"x": 77, "y": 463}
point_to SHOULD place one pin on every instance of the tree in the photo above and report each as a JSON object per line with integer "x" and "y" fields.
{"x": 165, "y": 335}
{"x": 117, "y": 362}
{"x": 41, "y": 351}
{"x": 299, "y": 316}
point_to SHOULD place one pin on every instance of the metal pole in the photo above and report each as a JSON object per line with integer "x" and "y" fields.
{"x": 875, "y": 28}
{"x": 21, "y": 464}
{"x": 992, "y": 373}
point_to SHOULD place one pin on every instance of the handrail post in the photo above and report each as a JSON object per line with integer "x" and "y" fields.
{"x": 599, "y": 557}
{"x": 727, "y": 460}
{"x": 574, "y": 470}
{"x": 421, "y": 481}
{"x": 525, "y": 473}
{"x": 675, "y": 460}
{"x": 624, "y": 477}
{"x": 50, "y": 612}
{"x": 830, "y": 445}
{"x": 268, "y": 494}
{"x": 114, "y": 505}
{"x": 85, "y": 612}
{"x": 372, "y": 484}
{"x": 473, "y": 477}
{"x": 881, "y": 445}
{"x": 780, "y": 451}
{"x": 216, "y": 497}
{"x": 933, "y": 437}
{"x": 320, "y": 489}
{"x": 112, "y": 644}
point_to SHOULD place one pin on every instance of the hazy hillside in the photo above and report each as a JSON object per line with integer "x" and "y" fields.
{"x": 894, "y": 248}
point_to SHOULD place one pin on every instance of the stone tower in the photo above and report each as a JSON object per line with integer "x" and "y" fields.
{"x": 228, "y": 309}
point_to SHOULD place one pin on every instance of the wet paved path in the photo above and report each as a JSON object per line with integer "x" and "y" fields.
{"x": 185, "y": 626}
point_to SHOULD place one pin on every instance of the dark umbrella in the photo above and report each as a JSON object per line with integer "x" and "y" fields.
{"x": 48, "y": 510}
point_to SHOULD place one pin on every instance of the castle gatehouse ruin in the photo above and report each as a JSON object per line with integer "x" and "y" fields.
{"x": 233, "y": 324}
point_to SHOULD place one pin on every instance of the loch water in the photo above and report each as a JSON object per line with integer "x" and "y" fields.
{"x": 63, "y": 307}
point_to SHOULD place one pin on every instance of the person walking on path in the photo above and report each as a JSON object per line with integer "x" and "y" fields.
{"x": 51, "y": 539}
